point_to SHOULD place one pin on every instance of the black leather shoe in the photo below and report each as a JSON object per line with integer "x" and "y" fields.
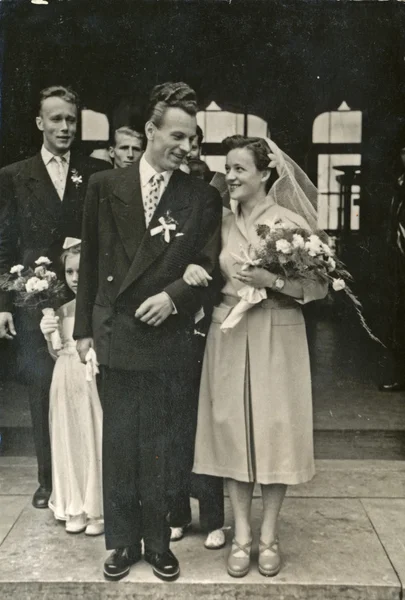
{"x": 41, "y": 497}
{"x": 395, "y": 386}
{"x": 119, "y": 562}
{"x": 165, "y": 565}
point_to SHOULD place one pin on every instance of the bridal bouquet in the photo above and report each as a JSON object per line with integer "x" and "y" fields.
{"x": 292, "y": 254}
{"x": 35, "y": 288}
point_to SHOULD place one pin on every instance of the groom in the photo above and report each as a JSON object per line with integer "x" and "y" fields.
{"x": 142, "y": 226}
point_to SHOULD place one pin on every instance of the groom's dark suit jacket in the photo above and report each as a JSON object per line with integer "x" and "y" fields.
{"x": 122, "y": 265}
{"x": 33, "y": 220}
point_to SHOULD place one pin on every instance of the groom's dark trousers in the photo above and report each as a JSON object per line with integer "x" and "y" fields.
{"x": 147, "y": 423}
{"x": 148, "y": 371}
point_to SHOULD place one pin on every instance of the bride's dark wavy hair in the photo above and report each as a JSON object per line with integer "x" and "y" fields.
{"x": 258, "y": 148}
{"x": 170, "y": 95}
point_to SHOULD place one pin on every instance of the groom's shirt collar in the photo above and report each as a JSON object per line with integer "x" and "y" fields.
{"x": 146, "y": 172}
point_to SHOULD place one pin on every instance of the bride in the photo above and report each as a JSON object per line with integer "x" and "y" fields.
{"x": 255, "y": 405}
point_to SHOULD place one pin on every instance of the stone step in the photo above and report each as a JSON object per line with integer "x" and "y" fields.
{"x": 341, "y": 538}
{"x": 355, "y": 444}
{"x": 333, "y": 479}
{"x": 332, "y": 445}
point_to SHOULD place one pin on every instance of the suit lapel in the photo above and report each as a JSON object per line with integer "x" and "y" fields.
{"x": 127, "y": 207}
{"x": 174, "y": 204}
{"x": 72, "y": 190}
{"x": 42, "y": 188}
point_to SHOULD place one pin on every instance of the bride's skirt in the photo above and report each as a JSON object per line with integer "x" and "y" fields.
{"x": 75, "y": 419}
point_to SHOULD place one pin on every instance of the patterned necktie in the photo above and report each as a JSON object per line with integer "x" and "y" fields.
{"x": 152, "y": 197}
{"x": 60, "y": 181}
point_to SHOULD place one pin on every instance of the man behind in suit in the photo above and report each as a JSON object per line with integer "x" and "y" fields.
{"x": 41, "y": 203}
{"x": 126, "y": 147}
{"x": 142, "y": 226}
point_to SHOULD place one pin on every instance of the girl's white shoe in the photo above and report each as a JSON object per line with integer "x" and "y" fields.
{"x": 76, "y": 524}
{"x": 95, "y": 527}
{"x": 215, "y": 540}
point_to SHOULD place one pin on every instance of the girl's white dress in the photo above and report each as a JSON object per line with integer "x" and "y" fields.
{"x": 75, "y": 420}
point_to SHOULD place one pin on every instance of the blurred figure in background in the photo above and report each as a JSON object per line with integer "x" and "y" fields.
{"x": 216, "y": 179}
{"x": 396, "y": 242}
{"x": 101, "y": 153}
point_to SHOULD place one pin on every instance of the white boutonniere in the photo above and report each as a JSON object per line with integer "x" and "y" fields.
{"x": 76, "y": 178}
{"x": 167, "y": 224}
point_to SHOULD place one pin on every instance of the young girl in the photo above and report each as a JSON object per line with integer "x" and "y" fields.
{"x": 75, "y": 419}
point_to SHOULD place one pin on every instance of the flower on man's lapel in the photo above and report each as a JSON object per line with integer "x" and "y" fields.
{"x": 76, "y": 178}
{"x": 167, "y": 224}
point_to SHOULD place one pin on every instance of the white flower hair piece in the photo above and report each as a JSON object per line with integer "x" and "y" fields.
{"x": 274, "y": 163}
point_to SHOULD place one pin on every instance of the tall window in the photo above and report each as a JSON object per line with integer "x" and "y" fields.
{"x": 337, "y": 139}
{"x": 217, "y": 124}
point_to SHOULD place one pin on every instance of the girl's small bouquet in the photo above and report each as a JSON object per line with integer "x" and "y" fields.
{"x": 36, "y": 288}
{"x": 293, "y": 253}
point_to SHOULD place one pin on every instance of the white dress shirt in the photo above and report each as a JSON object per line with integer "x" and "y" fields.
{"x": 53, "y": 168}
{"x": 146, "y": 172}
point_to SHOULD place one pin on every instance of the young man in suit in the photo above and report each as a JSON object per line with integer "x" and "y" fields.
{"x": 41, "y": 203}
{"x": 126, "y": 147}
{"x": 142, "y": 226}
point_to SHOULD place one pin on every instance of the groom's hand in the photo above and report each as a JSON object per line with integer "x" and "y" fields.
{"x": 155, "y": 310}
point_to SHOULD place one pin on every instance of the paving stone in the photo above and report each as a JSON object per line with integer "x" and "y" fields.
{"x": 388, "y": 519}
{"x": 16, "y": 479}
{"x": 10, "y": 509}
{"x": 329, "y": 546}
{"x": 355, "y": 479}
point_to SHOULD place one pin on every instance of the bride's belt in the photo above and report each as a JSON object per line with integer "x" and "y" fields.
{"x": 273, "y": 301}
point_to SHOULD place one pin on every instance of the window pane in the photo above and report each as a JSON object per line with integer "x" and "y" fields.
{"x": 328, "y": 211}
{"x": 346, "y": 127}
{"x": 218, "y": 125}
{"x": 95, "y": 126}
{"x": 338, "y": 127}
{"x": 321, "y": 129}
{"x": 323, "y": 172}
{"x": 323, "y": 211}
{"x": 329, "y": 188}
{"x": 256, "y": 127}
{"x": 215, "y": 163}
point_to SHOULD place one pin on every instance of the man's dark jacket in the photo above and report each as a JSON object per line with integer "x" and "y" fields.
{"x": 123, "y": 264}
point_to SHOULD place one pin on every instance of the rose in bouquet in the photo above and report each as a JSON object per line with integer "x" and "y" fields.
{"x": 35, "y": 288}
{"x": 293, "y": 253}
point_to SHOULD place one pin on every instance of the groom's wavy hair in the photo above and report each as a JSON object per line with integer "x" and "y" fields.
{"x": 170, "y": 95}
{"x": 259, "y": 149}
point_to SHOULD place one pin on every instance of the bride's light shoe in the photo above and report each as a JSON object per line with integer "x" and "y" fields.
{"x": 269, "y": 558}
{"x": 239, "y": 559}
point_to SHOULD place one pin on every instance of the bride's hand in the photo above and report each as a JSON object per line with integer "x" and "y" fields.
{"x": 48, "y": 325}
{"x": 196, "y": 275}
{"x": 256, "y": 277}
